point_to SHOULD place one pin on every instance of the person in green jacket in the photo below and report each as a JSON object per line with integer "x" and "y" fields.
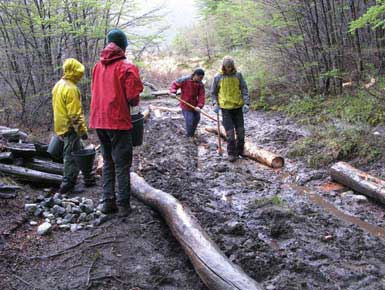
{"x": 230, "y": 94}
{"x": 69, "y": 121}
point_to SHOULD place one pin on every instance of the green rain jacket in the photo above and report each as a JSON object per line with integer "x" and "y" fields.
{"x": 229, "y": 91}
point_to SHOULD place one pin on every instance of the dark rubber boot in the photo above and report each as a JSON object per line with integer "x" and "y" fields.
{"x": 109, "y": 207}
{"x": 232, "y": 158}
{"x": 124, "y": 210}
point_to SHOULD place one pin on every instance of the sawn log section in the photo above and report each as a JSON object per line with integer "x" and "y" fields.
{"x": 212, "y": 266}
{"x": 358, "y": 180}
{"x": 252, "y": 152}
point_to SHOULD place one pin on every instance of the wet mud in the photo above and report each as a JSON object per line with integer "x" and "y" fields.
{"x": 285, "y": 227}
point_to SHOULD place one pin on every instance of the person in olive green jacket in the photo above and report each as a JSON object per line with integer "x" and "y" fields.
{"x": 230, "y": 94}
{"x": 69, "y": 121}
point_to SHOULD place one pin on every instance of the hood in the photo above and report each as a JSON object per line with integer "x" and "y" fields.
{"x": 73, "y": 70}
{"x": 111, "y": 53}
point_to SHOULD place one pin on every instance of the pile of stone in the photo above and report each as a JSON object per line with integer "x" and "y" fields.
{"x": 64, "y": 213}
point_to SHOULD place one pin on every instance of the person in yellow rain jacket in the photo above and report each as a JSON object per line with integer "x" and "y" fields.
{"x": 230, "y": 94}
{"x": 69, "y": 121}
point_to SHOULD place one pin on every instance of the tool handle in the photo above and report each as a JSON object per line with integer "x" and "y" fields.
{"x": 191, "y": 106}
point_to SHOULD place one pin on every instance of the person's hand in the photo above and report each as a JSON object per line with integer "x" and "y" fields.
{"x": 216, "y": 109}
{"x": 84, "y": 136}
{"x": 197, "y": 109}
{"x": 245, "y": 109}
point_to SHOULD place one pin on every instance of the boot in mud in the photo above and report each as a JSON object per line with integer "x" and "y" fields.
{"x": 109, "y": 207}
{"x": 124, "y": 210}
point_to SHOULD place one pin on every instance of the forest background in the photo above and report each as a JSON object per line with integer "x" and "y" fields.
{"x": 319, "y": 61}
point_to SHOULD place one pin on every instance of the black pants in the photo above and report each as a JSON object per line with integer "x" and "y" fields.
{"x": 234, "y": 123}
{"x": 117, "y": 158}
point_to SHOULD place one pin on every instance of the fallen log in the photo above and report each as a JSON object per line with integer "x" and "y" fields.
{"x": 251, "y": 151}
{"x": 6, "y": 157}
{"x": 30, "y": 175}
{"x": 358, "y": 180}
{"x": 21, "y": 149}
{"x": 150, "y": 85}
{"x": 160, "y": 93}
{"x": 165, "y": 109}
{"x": 45, "y": 165}
{"x": 13, "y": 134}
{"x": 214, "y": 268}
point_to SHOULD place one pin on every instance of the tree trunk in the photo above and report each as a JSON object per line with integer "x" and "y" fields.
{"x": 359, "y": 181}
{"x": 212, "y": 266}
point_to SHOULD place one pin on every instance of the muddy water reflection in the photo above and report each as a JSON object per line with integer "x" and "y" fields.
{"x": 320, "y": 201}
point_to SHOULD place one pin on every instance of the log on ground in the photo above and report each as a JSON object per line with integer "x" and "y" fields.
{"x": 359, "y": 181}
{"x": 6, "y": 157}
{"x": 253, "y": 152}
{"x": 21, "y": 149}
{"x": 213, "y": 267}
{"x": 165, "y": 109}
{"x": 160, "y": 93}
{"x": 45, "y": 165}
{"x": 30, "y": 175}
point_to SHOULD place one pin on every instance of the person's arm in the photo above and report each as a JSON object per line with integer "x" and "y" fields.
{"x": 201, "y": 96}
{"x": 177, "y": 84}
{"x": 215, "y": 90}
{"x": 133, "y": 86}
{"x": 75, "y": 111}
{"x": 244, "y": 90}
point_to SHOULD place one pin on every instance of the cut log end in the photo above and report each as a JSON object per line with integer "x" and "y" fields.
{"x": 277, "y": 162}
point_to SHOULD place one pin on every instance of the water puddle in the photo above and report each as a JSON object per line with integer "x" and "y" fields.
{"x": 318, "y": 200}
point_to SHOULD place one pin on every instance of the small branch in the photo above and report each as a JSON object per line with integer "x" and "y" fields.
{"x": 90, "y": 269}
{"x": 25, "y": 282}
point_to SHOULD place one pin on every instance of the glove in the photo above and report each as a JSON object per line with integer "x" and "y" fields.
{"x": 84, "y": 136}
{"x": 245, "y": 109}
{"x": 197, "y": 109}
{"x": 216, "y": 109}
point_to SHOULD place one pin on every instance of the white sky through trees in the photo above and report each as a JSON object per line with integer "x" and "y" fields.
{"x": 181, "y": 13}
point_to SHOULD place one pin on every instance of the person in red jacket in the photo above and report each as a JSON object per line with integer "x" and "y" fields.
{"x": 116, "y": 86}
{"x": 193, "y": 92}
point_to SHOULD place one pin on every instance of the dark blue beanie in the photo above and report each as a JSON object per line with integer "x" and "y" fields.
{"x": 118, "y": 37}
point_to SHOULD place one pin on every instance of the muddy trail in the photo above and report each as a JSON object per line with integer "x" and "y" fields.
{"x": 289, "y": 229}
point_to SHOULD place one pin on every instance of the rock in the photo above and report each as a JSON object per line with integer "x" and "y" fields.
{"x": 48, "y": 202}
{"x": 40, "y": 198}
{"x": 57, "y": 196}
{"x": 270, "y": 287}
{"x": 59, "y": 221}
{"x": 75, "y": 227}
{"x": 46, "y": 214}
{"x": 44, "y": 229}
{"x": 65, "y": 227}
{"x": 68, "y": 218}
{"x": 82, "y": 217}
{"x": 100, "y": 220}
{"x": 68, "y": 209}
{"x": 76, "y": 210}
{"x": 89, "y": 226}
{"x": 58, "y": 210}
{"x": 30, "y": 207}
{"x": 38, "y": 212}
{"x": 33, "y": 223}
{"x": 88, "y": 202}
{"x": 86, "y": 208}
